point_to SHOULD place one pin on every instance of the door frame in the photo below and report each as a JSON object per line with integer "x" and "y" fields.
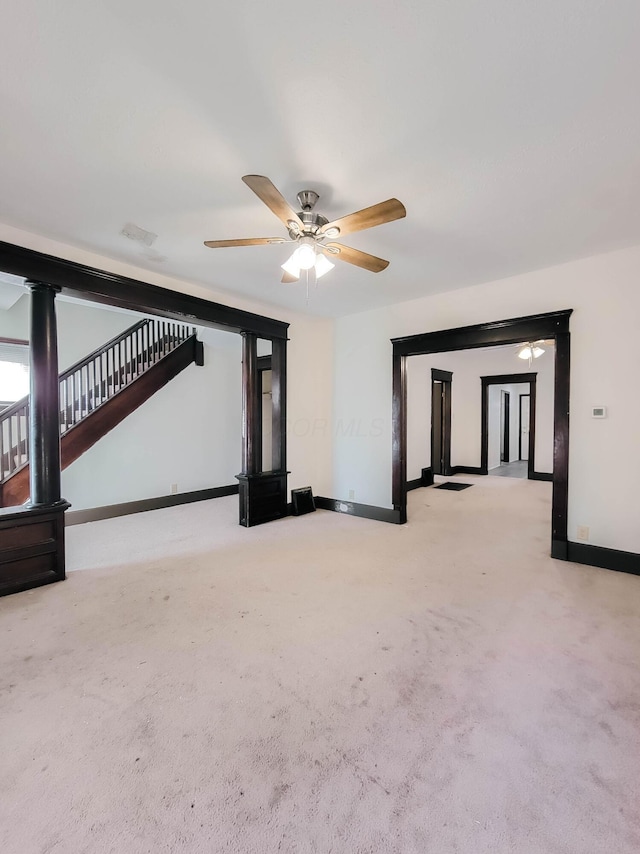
{"x": 445, "y": 378}
{"x": 520, "y": 396}
{"x": 507, "y": 379}
{"x": 505, "y": 426}
{"x": 552, "y": 325}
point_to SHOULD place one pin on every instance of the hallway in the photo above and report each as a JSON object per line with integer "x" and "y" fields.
{"x": 517, "y": 469}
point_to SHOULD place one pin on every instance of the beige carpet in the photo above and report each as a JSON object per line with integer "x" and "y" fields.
{"x": 324, "y": 684}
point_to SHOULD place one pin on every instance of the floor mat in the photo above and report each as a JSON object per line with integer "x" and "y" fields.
{"x": 454, "y": 485}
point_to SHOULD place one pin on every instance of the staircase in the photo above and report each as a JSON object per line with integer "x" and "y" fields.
{"x": 96, "y": 394}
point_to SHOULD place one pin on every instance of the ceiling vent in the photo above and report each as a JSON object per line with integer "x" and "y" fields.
{"x": 134, "y": 232}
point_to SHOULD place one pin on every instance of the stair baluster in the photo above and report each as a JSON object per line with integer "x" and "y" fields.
{"x": 93, "y": 381}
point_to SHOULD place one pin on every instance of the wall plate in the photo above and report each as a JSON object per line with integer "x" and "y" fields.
{"x": 599, "y": 412}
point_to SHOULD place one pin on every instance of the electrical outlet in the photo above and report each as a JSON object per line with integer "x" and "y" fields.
{"x": 583, "y": 532}
{"x": 352, "y": 494}
{"x": 174, "y": 488}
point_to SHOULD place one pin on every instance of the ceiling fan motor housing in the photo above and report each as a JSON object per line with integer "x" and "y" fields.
{"x": 312, "y": 222}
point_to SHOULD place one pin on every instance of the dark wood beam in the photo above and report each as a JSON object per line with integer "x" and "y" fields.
{"x": 100, "y": 286}
{"x": 532, "y": 327}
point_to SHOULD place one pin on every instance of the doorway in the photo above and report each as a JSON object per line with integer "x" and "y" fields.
{"x": 505, "y": 418}
{"x": 502, "y": 429}
{"x": 553, "y": 325}
{"x": 524, "y": 430}
{"x": 441, "y": 421}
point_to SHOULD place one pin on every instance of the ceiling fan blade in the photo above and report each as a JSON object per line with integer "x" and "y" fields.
{"x": 355, "y": 256}
{"x": 288, "y": 279}
{"x": 368, "y": 217}
{"x": 273, "y": 199}
{"x": 249, "y": 241}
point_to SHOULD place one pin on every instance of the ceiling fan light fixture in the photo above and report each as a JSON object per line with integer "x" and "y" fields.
{"x": 306, "y": 253}
{"x": 292, "y": 266}
{"x": 323, "y": 265}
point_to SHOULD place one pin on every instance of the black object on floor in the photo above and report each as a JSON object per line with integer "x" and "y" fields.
{"x": 453, "y": 485}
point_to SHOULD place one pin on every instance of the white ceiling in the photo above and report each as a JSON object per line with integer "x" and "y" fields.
{"x": 510, "y": 129}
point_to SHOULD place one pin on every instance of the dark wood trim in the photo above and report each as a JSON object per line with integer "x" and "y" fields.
{"x": 441, "y": 376}
{"x": 520, "y": 397}
{"x": 414, "y": 484}
{"x": 467, "y": 470}
{"x": 279, "y": 405}
{"x": 31, "y": 547}
{"x": 511, "y": 331}
{"x": 251, "y": 406}
{"x": 365, "y": 511}
{"x": 551, "y": 325}
{"x": 399, "y": 437}
{"x": 507, "y": 379}
{"x": 19, "y": 341}
{"x": 505, "y": 411}
{"x": 441, "y": 432}
{"x": 111, "y": 511}
{"x": 263, "y": 497}
{"x": 427, "y": 476}
{"x": 560, "y": 498}
{"x": 605, "y": 558}
{"x": 44, "y": 396}
{"x": 541, "y": 475}
{"x": 264, "y": 363}
{"x": 101, "y": 286}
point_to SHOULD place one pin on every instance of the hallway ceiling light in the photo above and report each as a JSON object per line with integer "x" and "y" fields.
{"x": 530, "y": 350}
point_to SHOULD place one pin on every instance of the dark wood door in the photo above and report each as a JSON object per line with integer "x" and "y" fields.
{"x": 505, "y": 452}
{"x": 440, "y": 423}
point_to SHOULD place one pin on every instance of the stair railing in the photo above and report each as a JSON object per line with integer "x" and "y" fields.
{"x": 92, "y": 381}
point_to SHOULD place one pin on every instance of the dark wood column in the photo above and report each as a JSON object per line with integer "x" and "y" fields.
{"x": 44, "y": 408}
{"x": 399, "y": 435}
{"x": 560, "y": 502}
{"x": 263, "y": 495}
{"x": 32, "y": 535}
{"x": 251, "y": 415}
{"x": 279, "y": 405}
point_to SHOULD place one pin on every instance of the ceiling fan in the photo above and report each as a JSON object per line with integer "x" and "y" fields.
{"x": 313, "y": 233}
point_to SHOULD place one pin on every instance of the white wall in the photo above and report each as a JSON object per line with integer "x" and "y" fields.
{"x": 467, "y": 367}
{"x": 309, "y": 415}
{"x": 604, "y": 460}
{"x": 187, "y": 434}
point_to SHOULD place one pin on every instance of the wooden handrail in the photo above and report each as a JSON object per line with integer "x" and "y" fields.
{"x": 100, "y": 350}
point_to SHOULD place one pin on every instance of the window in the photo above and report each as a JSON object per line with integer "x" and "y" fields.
{"x": 14, "y": 371}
